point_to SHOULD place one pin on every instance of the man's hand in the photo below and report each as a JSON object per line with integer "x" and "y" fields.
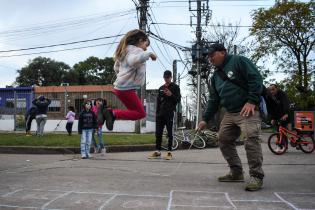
{"x": 284, "y": 117}
{"x": 202, "y": 125}
{"x": 167, "y": 92}
{"x": 248, "y": 110}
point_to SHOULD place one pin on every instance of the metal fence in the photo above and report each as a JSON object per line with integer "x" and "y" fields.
{"x": 14, "y": 102}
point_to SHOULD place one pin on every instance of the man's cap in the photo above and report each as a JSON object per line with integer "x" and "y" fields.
{"x": 167, "y": 73}
{"x": 216, "y": 47}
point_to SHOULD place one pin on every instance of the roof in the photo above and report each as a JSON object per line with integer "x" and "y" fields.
{"x": 75, "y": 88}
{"x": 30, "y": 88}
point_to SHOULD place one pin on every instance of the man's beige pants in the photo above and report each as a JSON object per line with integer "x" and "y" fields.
{"x": 231, "y": 127}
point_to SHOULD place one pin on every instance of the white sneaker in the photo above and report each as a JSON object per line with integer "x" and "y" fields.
{"x": 103, "y": 152}
{"x": 279, "y": 149}
{"x": 95, "y": 150}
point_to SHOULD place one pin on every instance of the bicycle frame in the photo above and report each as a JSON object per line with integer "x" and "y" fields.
{"x": 278, "y": 142}
{"x": 291, "y": 136}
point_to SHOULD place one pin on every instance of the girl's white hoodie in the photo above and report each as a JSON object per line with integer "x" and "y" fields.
{"x": 131, "y": 69}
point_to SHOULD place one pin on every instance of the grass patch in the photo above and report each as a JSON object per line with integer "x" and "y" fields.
{"x": 63, "y": 140}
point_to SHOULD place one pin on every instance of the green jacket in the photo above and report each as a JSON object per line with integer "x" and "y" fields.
{"x": 229, "y": 95}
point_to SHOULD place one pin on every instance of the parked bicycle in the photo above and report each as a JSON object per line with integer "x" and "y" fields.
{"x": 183, "y": 136}
{"x": 278, "y": 142}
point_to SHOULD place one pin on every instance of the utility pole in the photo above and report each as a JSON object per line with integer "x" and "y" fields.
{"x": 198, "y": 36}
{"x": 174, "y": 80}
{"x": 143, "y": 9}
{"x": 235, "y": 49}
{"x": 174, "y": 70}
{"x": 203, "y": 11}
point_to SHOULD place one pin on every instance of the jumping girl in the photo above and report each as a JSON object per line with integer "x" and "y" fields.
{"x": 130, "y": 66}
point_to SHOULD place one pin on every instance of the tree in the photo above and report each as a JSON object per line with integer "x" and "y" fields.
{"x": 95, "y": 71}
{"x": 43, "y": 72}
{"x": 286, "y": 31}
{"x": 298, "y": 98}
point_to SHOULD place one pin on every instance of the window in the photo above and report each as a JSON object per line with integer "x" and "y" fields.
{"x": 20, "y": 102}
{"x": 54, "y": 106}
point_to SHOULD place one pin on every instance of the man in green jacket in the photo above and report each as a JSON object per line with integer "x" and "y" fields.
{"x": 242, "y": 113}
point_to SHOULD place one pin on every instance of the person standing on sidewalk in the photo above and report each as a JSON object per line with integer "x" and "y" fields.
{"x": 167, "y": 99}
{"x": 130, "y": 67}
{"x": 242, "y": 113}
{"x": 87, "y": 122}
{"x": 99, "y": 110}
{"x": 30, "y": 115}
{"x": 70, "y": 117}
{"x": 41, "y": 104}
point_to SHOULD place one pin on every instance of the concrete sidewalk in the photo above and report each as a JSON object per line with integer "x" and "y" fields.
{"x": 128, "y": 180}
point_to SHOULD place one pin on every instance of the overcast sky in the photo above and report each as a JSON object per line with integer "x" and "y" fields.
{"x": 33, "y": 23}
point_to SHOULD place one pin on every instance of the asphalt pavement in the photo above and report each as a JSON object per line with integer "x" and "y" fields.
{"x": 128, "y": 180}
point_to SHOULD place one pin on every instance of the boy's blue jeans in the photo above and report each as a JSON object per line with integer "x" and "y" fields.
{"x": 86, "y": 138}
{"x": 100, "y": 144}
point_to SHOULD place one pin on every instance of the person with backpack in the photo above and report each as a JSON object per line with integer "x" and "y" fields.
{"x": 242, "y": 113}
{"x": 30, "y": 115}
{"x": 41, "y": 104}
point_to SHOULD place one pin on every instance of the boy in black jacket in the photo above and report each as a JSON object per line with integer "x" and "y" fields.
{"x": 168, "y": 97}
{"x": 87, "y": 123}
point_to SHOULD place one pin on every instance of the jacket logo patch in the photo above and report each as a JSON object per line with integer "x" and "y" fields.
{"x": 230, "y": 74}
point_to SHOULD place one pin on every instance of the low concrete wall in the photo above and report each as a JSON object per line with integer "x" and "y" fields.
{"x": 60, "y": 126}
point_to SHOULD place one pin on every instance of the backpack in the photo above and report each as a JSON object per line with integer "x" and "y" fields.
{"x": 267, "y": 105}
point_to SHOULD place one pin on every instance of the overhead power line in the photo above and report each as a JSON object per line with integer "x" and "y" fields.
{"x": 187, "y": 24}
{"x": 229, "y": 25}
{"x": 52, "y": 51}
{"x": 64, "y": 24}
{"x": 174, "y": 45}
{"x": 168, "y": 58}
{"x": 62, "y": 44}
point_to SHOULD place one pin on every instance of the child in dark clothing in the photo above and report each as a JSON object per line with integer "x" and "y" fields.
{"x": 30, "y": 115}
{"x": 87, "y": 123}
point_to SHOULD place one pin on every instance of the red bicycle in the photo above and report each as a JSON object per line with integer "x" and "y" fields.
{"x": 278, "y": 142}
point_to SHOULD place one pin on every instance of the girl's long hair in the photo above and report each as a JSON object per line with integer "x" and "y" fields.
{"x": 133, "y": 37}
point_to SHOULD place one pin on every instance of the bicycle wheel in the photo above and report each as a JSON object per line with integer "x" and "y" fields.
{"x": 165, "y": 142}
{"x": 275, "y": 145}
{"x": 306, "y": 143}
{"x": 197, "y": 141}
